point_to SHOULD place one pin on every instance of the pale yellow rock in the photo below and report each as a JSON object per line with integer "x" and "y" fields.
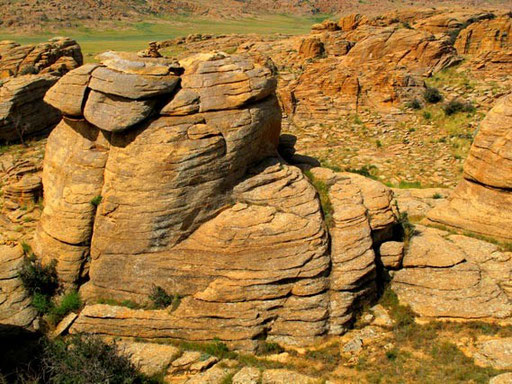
{"x": 16, "y": 312}
{"x": 283, "y": 376}
{"x": 149, "y": 358}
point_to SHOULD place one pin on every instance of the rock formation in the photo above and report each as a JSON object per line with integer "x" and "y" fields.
{"x": 169, "y": 175}
{"x": 26, "y": 73}
{"x": 16, "y": 312}
{"x": 59, "y": 54}
{"x": 451, "y": 276}
{"x": 480, "y": 203}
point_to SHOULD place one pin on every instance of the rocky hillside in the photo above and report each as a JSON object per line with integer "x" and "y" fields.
{"x": 37, "y": 14}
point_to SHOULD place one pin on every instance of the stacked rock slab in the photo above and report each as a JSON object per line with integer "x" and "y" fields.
{"x": 180, "y": 161}
{"x": 26, "y": 73}
{"x": 455, "y": 277}
{"x": 482, "y": 200}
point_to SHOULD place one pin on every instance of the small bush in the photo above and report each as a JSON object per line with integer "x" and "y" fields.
{"x": 38, "y": 278}
{"x": 455, "y": 106}
{"x": 269, "y": 348}
{"x": 162, "y": 299}
{"x": 427, "y": 115}
{"x": 437, "y": 196}
{"x": 42, "y": 303}
{"x": 406, "y": 25}
{"x": 365, "y": 170}
{"x": 69, "y": 302}
{"x": 378, "y": 143}
{"x": 432, "y": 95}
{"x": 85, "y": 360}
{"x": 414, "y": 104}
{"x": 96, "y": 200}
{"x": 28, "y": 70}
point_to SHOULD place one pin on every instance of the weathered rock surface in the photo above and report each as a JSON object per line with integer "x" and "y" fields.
{"x": 22, "y": 110}
{"x": 283, "y": 376}
{"x": 480, "y": 202}
{"x": 504, "y": 378}
{"x": 496, "y": 353}
{"x": 58, "y": 55}
{"x": 489, "y": 42}
{"x": 195, "y": 200}
{"x": 455, "y": 277}
{"x": 391, "y": 254}
{"x": 16, "y": 312}
{"x": 29, "y": 72}
{"x": 150, "y": 358}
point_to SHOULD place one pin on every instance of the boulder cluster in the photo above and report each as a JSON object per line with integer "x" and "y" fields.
{"x": 168, "y": 174}
{"x": 26, "y": 73}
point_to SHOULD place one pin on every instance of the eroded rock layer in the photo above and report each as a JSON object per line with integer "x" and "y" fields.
{"x": 168, "y": 174}
{"x": 26, "y": 74}
{"x": 482, "y": 200}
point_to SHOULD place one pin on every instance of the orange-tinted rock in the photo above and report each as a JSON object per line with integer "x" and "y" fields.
{"x": 480, "y": 202}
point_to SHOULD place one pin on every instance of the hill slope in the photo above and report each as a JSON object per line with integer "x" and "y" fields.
{"x": 33, "y": 15}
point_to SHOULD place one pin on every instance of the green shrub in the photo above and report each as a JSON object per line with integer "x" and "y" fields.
{"x": 69, "y": 302}
{"x": 414, "y": 104}
{"x": 96, "y": 200}
{"x": 455, "y": 106}
{"x": 365, "y": 170}
{"x": 323, "y": 194}
{"x": 28, "y": 70}
{"x": 427, "y": 115}
{"x": 162, "y": 299}
{"x": 38, "y": 278}
{"x": 432, "y": 95}
{"x": 269, "y": 348}
{"x": 437, "y": 196}
{"x": 85, "y": 360}
{"x": 42, "y": 303}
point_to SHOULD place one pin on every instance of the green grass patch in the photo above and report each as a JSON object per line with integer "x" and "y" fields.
{"x": 122, "y": 36}
{"x": 323, "y": 194}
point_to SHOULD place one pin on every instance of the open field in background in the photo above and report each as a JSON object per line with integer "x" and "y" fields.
{"x": 121, "y": 37}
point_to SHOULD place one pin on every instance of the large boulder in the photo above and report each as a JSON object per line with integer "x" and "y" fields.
{"x": 193, "y": 198}
{"x": 481, "y": 202}
{"x": 455, "y": 277}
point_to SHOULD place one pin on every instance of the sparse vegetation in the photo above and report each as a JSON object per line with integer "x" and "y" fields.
{"x": 432, "y": 95}
{"x": 323, "y": 194}
{"x": 96, "y": 200}
{"x": 455, "y": 106}
{"x": 269, "y": 348}
{"x": 414, "y": 104}
{"x": 365, "y": 170}
{"x": 40, "y": 281}
{"x": 161, "y": 299}
{"x": 87, "y": 359}
{"x": 123, "y": 303}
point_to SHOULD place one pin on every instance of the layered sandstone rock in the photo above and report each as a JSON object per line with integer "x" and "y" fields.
{"x": 22, "y": 110}
{"x": 57, "y": 55}
{"x": 28, "y": 72}
{"x": 455, "y": 277}
{"x": 488, "y": 46}
{"x": 480, "y": 203}
{"x": 189, "y": 194}
{"x": 16, "y": 312}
